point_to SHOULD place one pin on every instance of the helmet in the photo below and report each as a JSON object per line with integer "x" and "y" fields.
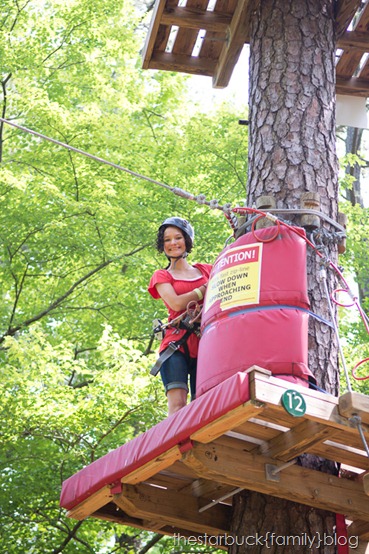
{"x": 181, "y": 224}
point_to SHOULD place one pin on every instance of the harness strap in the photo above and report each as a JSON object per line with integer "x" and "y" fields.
{"x": 169, "y": 351}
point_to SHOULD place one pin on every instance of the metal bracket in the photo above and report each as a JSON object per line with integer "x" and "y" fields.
{"x": 270, "y": 473}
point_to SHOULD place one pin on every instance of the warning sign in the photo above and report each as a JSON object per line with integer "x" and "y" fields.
{"x": 235, "y": 279}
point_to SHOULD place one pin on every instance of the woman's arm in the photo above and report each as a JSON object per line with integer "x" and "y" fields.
{"x": 178, "y": 302}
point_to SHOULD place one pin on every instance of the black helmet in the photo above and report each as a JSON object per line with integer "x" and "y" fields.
{"x": 181, "y": 224}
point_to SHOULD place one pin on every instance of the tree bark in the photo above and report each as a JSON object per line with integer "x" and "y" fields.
{"x": 292, "y": 150}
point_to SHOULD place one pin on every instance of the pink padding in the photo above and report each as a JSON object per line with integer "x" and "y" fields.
{"x": 172, "y": 431}
{"x": 275, "y": 339}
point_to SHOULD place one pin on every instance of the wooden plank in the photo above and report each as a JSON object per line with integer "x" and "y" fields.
{"x": 167, "y": 482}
{"x": 354, "y": 403}
{"x": 213, "y": 41}
{"x": 104, "y": 495}
{"x": 320, "y": 407}
{"x": 227, "y": 421}
{"x": 247, "y": 443}
{"x": 182, "y": 64}
{"x": 193, "y": 18}
{"x": 113, "y": 513}
{"x": 207, "y": 490}
{"x": 359, "y": 528}
{"x": 345, "y": 11}
{"x": 353, "y": 86}
{"x": 348, "y": 63}
{"x": 365, "y": 480}
{"x": 341, "y": 454}
{"x": 152, "y": 33}
{"x": 238, "y": 31}
{"x": 364, "y": 71}
{"x": 154, "y": 466}
{"x": 287, "y": 446}
{"x": 179, "y": 471}
{"x": 91, "y": 504}
{"x": 259, "y": 429}
{"x": 354, "y": 39}
{"x": 363, "y": 20}
{"x": 179, "y": 510}
{"x": 186, "y": 38}
{"x": 298, "y": 484}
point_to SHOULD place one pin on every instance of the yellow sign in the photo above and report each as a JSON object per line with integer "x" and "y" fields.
{"x": 235, "y": 278}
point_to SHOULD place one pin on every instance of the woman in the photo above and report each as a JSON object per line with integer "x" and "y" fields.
{"x": 178, "y": 285}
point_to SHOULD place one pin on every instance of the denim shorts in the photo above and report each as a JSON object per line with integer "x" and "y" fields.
{"x": 177, "y": 371}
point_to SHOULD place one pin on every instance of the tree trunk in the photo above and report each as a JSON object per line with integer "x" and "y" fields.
{"x": 292, "y": 151}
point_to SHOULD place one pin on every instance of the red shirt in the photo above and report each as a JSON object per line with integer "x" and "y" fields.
{"x": 181, "y": 286}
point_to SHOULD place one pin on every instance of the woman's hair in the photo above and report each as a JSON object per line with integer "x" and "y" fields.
{"x": 160, "y": 239}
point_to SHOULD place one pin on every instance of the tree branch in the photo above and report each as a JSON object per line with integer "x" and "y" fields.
{"x": 116, "y": 424}
{"x": 18, "y": 289}
{"x": 4, "y": 82}
{"x": 64, "y": 40}
{"x": 155, "y": 539}
{"x": 11, "y": 331}
{"x": 19, "y": 11}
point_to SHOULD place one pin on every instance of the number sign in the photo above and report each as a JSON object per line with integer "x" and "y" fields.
{"x": 294, "y": 403}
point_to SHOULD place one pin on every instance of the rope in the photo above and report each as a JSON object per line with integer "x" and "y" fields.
{"x": 297, "y": 211}
{"x": 200, "y": 199}
{"x": 323, "y": 279}
{"x": 356, "y": 420}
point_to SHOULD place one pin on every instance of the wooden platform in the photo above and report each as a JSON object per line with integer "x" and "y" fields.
{"x": 206, "y": 37}
{"x": 188, "y": 490}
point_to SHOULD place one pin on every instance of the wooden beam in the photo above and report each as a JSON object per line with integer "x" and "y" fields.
{"x": 359, "y": 529}
{"x": 238, "y": 34}
{"x": 182, "y": 64}
{"x": 227, "y": 421}
{"x": 342, "y": 454}
{"x": 152, "y": 33}
{"x": 354, "y": 403}
{"x": 111, "y": 512}
{"x": 287, "y": 446}
{"x": 362, "y": 21}
{"x": 179, "y": 510}
{"x": 193, "y": 18}
{"x": 320, "y": 407}
{"x": 104, "y": 495}
{"x": 207, "y": 490}
{"x": 91, "y": 504}
{"x": 154, "y": 466}
{"x": 352, "y": 86}
{"x": 345, "y": 11}
{"x": 296, "y": 483}
{"x": 354, "y": 39}
{"x": 348, "y": 63}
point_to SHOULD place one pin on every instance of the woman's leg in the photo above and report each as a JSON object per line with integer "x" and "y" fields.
{"x": 174, "y": 373}
{"x": 177, "y": 399}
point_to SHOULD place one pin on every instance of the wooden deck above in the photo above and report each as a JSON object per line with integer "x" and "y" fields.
{"x": 206, "y": 37}
{"x": 188, "y": 490}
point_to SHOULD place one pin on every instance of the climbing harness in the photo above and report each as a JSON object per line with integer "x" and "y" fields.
{"x": 190, "y": 321}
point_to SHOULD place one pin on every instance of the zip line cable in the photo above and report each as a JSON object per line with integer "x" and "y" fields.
{"x": 200, "y": 199}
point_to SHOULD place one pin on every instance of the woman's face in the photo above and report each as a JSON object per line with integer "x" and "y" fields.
{"x": 174, "y": 242}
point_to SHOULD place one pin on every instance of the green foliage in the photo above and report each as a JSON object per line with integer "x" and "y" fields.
{"x": 77, "y": 251}
{"x": 356, "y": 270}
